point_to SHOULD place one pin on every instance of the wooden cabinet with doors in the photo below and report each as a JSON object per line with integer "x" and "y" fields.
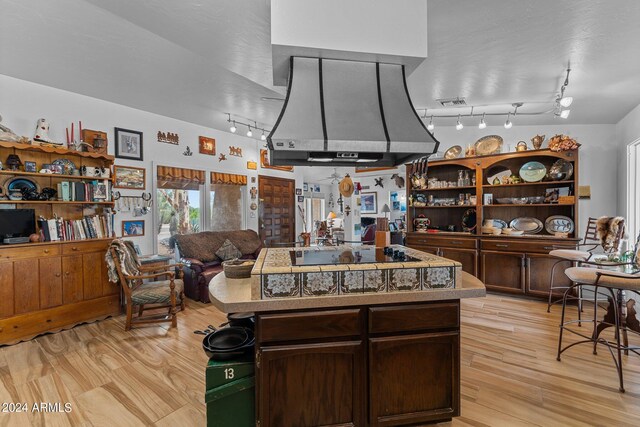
{"x": 48, "y": 286}
{"x": 512, "y": 264}
{"x": 371, "y": 365}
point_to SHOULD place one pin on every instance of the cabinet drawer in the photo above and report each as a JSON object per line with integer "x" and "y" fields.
{"x": 37, "y": 251}
{"x": 71, "y": 248}
{"x": 415, "y": 317}
{"x": 524, "y": 246}
{"x": 441, "y": 241}
{"x": 309, "y": 325}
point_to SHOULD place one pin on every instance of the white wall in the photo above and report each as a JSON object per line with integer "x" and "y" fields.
{"x": 22, "y": 103}
{"x": 598, "y": 157}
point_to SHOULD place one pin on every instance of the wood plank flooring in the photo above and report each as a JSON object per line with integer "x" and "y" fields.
{"x": 155, "y": 375}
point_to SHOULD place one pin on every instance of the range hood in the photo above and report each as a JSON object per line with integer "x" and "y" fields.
{"x": 347, "y": 113}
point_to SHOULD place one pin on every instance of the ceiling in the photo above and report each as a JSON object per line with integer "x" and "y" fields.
{"x": 195, "y": 60}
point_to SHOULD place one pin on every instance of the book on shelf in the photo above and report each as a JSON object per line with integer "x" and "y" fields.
{"x": 80, "y": 191}
{"x": 97, "y": 226}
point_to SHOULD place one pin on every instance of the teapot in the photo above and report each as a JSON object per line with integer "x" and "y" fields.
{"x": 537, "y": 141}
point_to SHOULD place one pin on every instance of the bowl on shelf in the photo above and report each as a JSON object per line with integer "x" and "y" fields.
{"x": 504, "y": 201}
{"x": 512, "y": 232}
{"x": 519, "y": 200}
{"x": 489, "y": 230}
{"x": 536, "y": 200}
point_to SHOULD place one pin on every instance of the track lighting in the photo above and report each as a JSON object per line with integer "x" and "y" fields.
{"x": 566, "y": 101}
{"x": 565, "y": 113}
{"x": 431, "y": 126}
{"x": 482, "y": 123}
{"x": 249, "y": 133}
{"x": 263, "y": 136}
{"x": 508, "y": 124}
{"x": 250, "y": 128}
{"x": 233, "y": 127}
{"x": 459, "y": 125}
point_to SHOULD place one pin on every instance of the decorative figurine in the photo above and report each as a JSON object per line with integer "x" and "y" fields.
{"x": 537, "y": 141}
{"x": 13, "y": 162}
{"x": 379, "y": 182}
{"x": 42, "y": 133}
{"x": 398, "y": 180}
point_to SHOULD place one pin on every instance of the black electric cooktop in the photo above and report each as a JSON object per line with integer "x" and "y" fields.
{"x": 362, "y": 255}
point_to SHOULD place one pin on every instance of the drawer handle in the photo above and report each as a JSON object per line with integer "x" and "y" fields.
{"x": 46, "y": 251}
{"x": 500, "y": 245}
{"x": 66, "y": 273}
{"x": 548, "y": 247}
{"x": 74, "y": 248}
{"x": 455, "y": 242}
{"x": 57, "y": 274}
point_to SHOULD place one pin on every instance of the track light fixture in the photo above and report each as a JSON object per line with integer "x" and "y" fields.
{"x": 233, "y": 127}
{"x": 263, "y": 136}
{"x": 562, "y": 101}
{"x": 250, "y": 128}
{"x": 508, "y": 124}
{"x": 249, "y": 133}
{"x": 431, "y": 126}
{"x": 459, "y": 125}
{"x": 482, "y": 123}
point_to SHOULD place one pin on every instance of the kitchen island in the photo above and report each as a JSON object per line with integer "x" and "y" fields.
{"x": 356, "y": 358}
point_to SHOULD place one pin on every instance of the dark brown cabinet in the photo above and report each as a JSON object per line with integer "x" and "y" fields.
{"x": 467, "y": 257}
{"x": 538, "y": 275}
{"x": 503, "y": 271}
{"x": 377, "y": 365}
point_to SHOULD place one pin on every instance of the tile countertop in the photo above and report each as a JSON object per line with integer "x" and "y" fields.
{"x": 234, "y": 295}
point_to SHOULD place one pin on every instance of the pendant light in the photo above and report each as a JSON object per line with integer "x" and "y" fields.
{"x": 508, "y": 124}
{"x": 430, "y": 126}
{"x": 233, "y": 128}
{"x": 459, "y": 125}
{"x": 565, "y": 101}
{"x": 249, "y": 133}
{"x": 263, "y": 136}
{"x": 482, "y": 124}
{"x": 565, "y": 114}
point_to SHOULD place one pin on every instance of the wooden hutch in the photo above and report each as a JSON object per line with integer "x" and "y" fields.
{"x": 49, "y": 286}
{"x": 513, "y": 264}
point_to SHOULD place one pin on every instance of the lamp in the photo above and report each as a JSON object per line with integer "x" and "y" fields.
{"x": 13, "y": 162}
{"x": 431, "y": 126}
{"x": 332, "y": 215}
{"x": 459, "y": 125}
{"x": 385, "y": 210}
{"x": 482, "y": 124}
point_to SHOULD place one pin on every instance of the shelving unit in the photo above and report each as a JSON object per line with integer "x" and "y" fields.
{"x": 514, "y": 264}
{"x": 49, "y": 286}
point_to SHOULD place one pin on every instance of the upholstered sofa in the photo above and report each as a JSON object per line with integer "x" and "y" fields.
{"x": 198, "y": 252}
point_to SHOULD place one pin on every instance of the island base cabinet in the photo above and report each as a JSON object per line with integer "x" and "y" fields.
{"x": 311, "y": 384}
{"x": 414, "y": 378}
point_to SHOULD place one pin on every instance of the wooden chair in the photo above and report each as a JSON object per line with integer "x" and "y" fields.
{"x": 162, "y": 290}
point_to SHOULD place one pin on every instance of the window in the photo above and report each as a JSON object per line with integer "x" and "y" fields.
{"x": 633, "y": 189}
{"x": 179, "y": 204}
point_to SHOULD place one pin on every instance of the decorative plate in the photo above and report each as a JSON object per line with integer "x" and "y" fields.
{"x": 497, "y": 172}
{"x": 67, "y": 164}
{"x": 498, "y": 223}
{"x": 489, "y": 144}
{"x": 527, "y": 224}
{"x": 453, "y": 152}
{"x": 559, "y": 224}
{"x": 561, "y": 170}
{"x": 469, "y": 220}
{"x": 22, "y": 184}
{"x": 533, "y": 172}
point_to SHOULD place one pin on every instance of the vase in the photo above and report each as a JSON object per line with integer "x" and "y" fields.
{"x": 306, "y": 239}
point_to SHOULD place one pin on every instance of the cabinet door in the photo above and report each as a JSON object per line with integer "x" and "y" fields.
{"x": 50, "y": 282}
{"x": 539, "y": 275}
{"x": 503, "y": 271}
{"x": 402, "y": 391}
{"x": 428, "y": 249}
{"x": 26, "y": 285}
{"x": 71, "y": 279}
{"x": 312, "y": 384}
{"x": 92, "y": 275}
{"x": 467, "y": 257}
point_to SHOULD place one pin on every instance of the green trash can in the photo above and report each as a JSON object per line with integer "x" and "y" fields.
{"x": 230, "y": 393}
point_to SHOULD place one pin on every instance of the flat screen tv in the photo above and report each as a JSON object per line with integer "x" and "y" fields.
{"x": 17, "y": 222}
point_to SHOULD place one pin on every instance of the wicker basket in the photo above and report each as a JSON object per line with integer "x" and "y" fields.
{"x": 238, "y": 268}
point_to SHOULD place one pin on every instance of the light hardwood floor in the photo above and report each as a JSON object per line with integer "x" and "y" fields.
{"x": 155, "y": 375}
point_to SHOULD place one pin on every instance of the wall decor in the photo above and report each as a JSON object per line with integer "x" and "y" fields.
{"x": 187, "y": 152}
{"x": 264, "y": 163}
{"x": 133, "y": 228}
{"x": 128, "y": 144}
{"x": 379, "y": 182}
{"x": 207, "y": 145}
{"x": 253, "y": 206}
{"x": 398, "y": 180}
{"x": 222, "y": 157}
{"x": 235, "y": 151}
{"x": 95, "y": 141}
{"x": 169, "y": 138}
{"x": 129, "y": 177}
{"x": 305, "y": 187}
{"x": 316, "y": 188}
{"x": 298, "y": 191}
{"x": 30, "y": 167}
{"x": 300, "y": 199}
{"x": 253, "y": 192}
{"x": 369, "y": 203}
{"x": 253, "y": 179}
{"x": 252, "y": 165}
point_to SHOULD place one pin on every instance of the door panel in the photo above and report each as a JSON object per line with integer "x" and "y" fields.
{"x": 539, "y": 275}
{"x": 467, "y": 257}
{"x": 26, "y": 286}
{"x": 503, "y": 271}
{"x": 71, "y": 279}
{"x": 6, "y": 290}
{"x": 50, "y": 282}
{"x": 277, "y": 210}
{"x": 92, "y": 275}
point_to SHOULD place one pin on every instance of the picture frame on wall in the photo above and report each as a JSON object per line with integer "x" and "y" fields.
{"x": 129, "y": 177}
{"x": 368, "y": 203}
{"x": 133, "y": 228}
{"x": 128, "y": 144}
{"x": 300, "y": 199}
{"x": 30, "y": 167}
{"x": 298, "y": 191}
{"x": 207, "y": 145}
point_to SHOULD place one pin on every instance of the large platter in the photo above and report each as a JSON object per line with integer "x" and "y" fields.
{"x": 469, "y": 220}
{"x": 533, "y": 172}
{"x": 527, "y": 224}
{"x": 22, "y": 184}
{"x": 559, "y": 224}
{"x": 453, "y": 152}
{"x": 561, "y": 170}
{"x": 489, "y": 144}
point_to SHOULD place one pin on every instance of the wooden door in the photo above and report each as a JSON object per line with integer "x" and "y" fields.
{"x": 467, "y": 257}
{"x": 538, "y": 275}
{"x": 311, "y": 385}
{"x": 50, "y": 282}
{"x": 277, "y": 221}
{"x": 92, "y": 275}
{"x": 26, "y": 286}
{"x": 72, "y": 279}
{"x": 504, "y": 271}
{"x": 403, "y": 392}
{"x": 6, "y": 289}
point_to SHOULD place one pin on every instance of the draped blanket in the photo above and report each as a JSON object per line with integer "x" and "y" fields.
{"x": 610, "y": 231}
{"x": 126, "y": 258}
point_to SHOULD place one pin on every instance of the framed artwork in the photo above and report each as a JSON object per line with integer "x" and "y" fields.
{"x": 298, "y": 191}
{"x": 30, "y": 167}
{"x": 133, "y": 228}
{"x": 264, "y": 163}
{"x": 129, "y": 177}
{"x": 207, "y": 145}
{"x": 252, "y": 165}
{"x": 128, "y": 144}
{"x": 305, "y": 187}
{"x": 369, "y": 203}
{"x": 300, "y": 199}
{"x": 316, "y": 188}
